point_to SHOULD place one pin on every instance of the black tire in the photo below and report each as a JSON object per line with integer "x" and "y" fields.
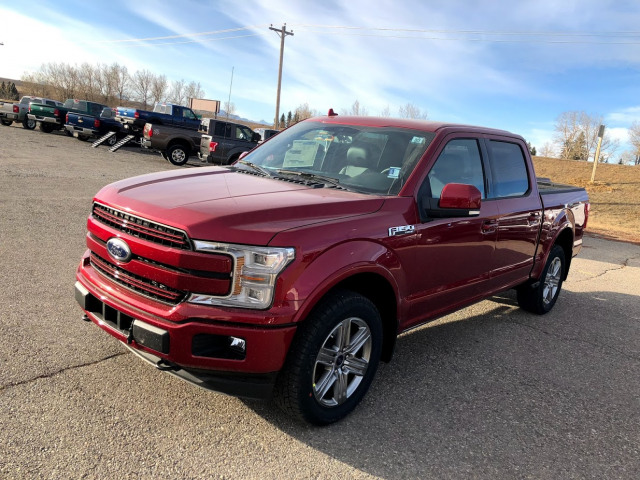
{"x": 178, "y": 154}
{"x": 112, "y": 140}
{"x": 6, "y": 123}
{"x": 28, "y": 123}
{"x": 82, "y": 138}
{"x": 45, "y": 127}
{"x": 541, "y": 296}
{"x": 325, "y": 378}
{"x": 67, "y": 133}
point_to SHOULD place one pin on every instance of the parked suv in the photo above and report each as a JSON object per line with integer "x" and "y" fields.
{"x": 223, "y": 141}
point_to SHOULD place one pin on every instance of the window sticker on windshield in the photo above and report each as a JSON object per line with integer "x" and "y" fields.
{"x": 301, "y": 154}
{"x": 394, "y": 172}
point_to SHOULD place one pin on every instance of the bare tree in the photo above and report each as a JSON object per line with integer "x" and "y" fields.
{"x": 229, "y": 107}
{"x": 159, "y": 88}
{"x": 121, "y": 81}
{"x": 303, "y": 112}
{"x": 177, "y": 92}
{"x": 547, "y": 150}
{"x": 194, "y": 90}
{"x": 62, "y": 78}
{"x": 356, "y": 109}
{"x": 386, "y": 112}
{"x": 411, "y": 111}
{"x": 634, "y": 138}
{"x": 87, "y": 81}
{"x": 577, "y": 136}
{"x": 141, "y": 82}
{"x": 104, "y": 84}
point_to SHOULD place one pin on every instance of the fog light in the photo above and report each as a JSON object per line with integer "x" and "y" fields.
{"x": 239, "y": 345}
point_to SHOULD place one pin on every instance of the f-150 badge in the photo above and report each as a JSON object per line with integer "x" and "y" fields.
{"x": 403, "y": 230}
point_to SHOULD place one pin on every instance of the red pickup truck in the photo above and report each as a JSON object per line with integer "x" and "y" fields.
{"x": 291, "y": 272}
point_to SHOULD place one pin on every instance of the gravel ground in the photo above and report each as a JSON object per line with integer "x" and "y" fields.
{"x": 488, "y": 392}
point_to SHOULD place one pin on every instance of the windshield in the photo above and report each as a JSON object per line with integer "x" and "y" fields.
{"x": 375, "y": 160}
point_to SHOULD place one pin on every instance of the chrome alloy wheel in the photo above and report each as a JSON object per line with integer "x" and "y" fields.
{"x": 342, "y": 362}
{"x": 178, "y": 155}
{"x": 552, "y": 281}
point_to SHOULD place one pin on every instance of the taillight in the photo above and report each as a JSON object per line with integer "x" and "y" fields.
{"x": 212, "y": 146}
{"x": 56, "y": 112}
{"x": 66, "y": 119}
{"x": 148, "y": 130}
{"x": 16, "y": 109}
{"x": 96, "y": 123}
{"x": 136, "y": 115}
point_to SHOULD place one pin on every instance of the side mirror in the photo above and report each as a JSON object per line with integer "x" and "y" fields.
{"x": 242, "y": 155}
{"x": 456, "y": 200}
{"x": 256, "y": 137}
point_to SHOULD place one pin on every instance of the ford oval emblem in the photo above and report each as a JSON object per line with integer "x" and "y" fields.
{"x": 118, "y": 249}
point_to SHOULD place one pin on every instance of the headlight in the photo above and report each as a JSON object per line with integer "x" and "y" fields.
{"x": 254, "y": 276}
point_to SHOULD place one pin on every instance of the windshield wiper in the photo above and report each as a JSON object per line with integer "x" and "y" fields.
{"x": 313, "y": 176}
{"x": 256, "y": 168}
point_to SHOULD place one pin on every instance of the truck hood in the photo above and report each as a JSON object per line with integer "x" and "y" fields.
{"x": 221, "y": 205}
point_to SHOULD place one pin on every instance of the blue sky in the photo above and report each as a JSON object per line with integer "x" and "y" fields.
{"x": 514, "y": 65}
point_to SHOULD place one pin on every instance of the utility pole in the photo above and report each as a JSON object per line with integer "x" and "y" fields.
{"x": 229, "y": 101}
{"x": 597, "y": 155}
{"x": 282, "y": 32}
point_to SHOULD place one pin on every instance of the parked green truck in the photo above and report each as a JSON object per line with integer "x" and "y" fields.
{"x": 53, "y": 118}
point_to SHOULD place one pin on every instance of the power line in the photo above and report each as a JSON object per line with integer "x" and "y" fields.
{"x": 194, "y": 41}
{"x": 183, "y": 35}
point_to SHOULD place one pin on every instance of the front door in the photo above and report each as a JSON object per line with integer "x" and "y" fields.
{"x": 453, "y": 256}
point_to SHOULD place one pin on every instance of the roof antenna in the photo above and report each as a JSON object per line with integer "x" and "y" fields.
{"x": 332, "y": 113}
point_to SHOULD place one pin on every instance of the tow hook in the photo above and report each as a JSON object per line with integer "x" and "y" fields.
{"x": 165, "y": 366}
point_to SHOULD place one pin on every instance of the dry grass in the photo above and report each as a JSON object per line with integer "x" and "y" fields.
{"x": 614, "y": 196}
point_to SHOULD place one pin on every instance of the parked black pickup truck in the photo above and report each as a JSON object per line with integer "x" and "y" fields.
{"x": 175, "y": 144}
{"x": 84, "y": 126}
{"x": 162, "y": 114}
{"x": 222, "y": 142}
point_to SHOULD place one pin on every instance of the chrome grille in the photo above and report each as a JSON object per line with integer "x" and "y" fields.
{"x": 144, "y": 286}
{"x": 141, "y": 228}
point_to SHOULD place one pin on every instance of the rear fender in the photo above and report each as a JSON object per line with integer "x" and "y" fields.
{"x": 558, "y": 230}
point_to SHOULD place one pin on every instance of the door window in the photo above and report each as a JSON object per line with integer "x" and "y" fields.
{"x": 218, "y": 129}
{"x": 459, "y": 162}
{"x": 508, "y": 169}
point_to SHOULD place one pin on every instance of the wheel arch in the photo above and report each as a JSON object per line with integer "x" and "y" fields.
{"x": 565, "y": 240}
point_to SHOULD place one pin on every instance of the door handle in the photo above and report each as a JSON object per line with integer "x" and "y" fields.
{"x": 533, "y": 219}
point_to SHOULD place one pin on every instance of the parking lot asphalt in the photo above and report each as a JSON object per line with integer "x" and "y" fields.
{"x": 487, "y": 392}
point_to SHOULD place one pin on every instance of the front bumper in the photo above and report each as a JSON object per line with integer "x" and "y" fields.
{"x": 197, "y": 350}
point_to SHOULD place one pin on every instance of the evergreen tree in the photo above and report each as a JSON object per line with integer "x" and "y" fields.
{"x": 289, "y": 119}
{"x": 3, "y": 91}
{"x": 13, "y": 92}
{"x": 282, "y": 121}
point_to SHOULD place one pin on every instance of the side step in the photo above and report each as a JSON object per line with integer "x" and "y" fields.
{"x": 103, "y": 139}
{"x": 122, "y": 143}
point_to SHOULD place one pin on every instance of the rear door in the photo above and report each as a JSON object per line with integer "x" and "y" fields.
{"x": 514, "y": 191}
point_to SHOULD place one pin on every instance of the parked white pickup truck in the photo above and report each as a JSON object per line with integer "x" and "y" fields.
{"x": 17, "y": 112}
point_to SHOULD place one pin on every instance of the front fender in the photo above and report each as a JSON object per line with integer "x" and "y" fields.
{"x": 338, "y": 264}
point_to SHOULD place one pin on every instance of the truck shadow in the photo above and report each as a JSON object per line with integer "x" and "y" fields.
{"x": 493, "y": 391}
